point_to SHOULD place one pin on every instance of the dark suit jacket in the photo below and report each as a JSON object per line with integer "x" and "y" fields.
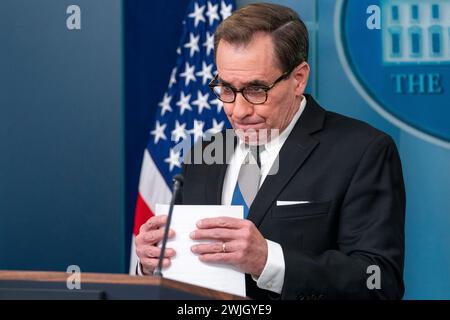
{"x": 352, "y": 175}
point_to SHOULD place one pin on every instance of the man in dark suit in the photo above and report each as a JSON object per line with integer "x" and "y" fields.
{"x": 324, "y": 198}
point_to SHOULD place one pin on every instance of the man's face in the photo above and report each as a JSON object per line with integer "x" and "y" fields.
{"x": 255, "y": 64}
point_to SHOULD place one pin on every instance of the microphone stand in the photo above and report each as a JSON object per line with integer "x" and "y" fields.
{"x": 177, "y": 185}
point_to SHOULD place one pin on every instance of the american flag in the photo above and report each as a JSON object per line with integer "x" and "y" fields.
{"x": 188, "y": 109}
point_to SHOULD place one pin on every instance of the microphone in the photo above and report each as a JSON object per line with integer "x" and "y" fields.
{"x": 178, "y": 181}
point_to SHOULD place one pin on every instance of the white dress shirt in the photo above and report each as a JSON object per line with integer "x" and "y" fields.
{"x": 272, "y": 277}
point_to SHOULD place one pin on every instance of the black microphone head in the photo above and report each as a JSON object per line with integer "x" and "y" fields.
{"x": 178, "y": 177}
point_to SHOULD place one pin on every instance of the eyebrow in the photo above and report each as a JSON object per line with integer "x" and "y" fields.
{"x": 254, "y": 82}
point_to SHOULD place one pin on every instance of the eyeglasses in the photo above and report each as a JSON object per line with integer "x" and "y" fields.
{"x": 254, "y": 94}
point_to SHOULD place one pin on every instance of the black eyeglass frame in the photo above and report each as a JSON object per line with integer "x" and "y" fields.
{"x": 212, "y": 85}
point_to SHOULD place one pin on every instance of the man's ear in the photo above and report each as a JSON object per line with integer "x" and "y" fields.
{"x": 301, "y": 76}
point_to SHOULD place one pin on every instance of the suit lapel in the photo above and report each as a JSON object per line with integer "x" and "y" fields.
{"x": 295, "y": 151}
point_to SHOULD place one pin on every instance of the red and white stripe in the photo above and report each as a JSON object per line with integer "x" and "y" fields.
{"x": 152, "y": 190}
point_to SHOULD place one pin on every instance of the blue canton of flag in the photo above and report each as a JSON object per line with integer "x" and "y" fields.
{"x": 189, "y": 109}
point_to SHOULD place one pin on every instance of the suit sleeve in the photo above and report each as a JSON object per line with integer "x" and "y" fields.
{"x": 370, "y": 233}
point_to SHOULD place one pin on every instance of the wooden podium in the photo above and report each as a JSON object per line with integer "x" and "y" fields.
{"x": 26, "y": 285}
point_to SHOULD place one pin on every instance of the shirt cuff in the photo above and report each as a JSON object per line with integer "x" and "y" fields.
{"x": 272, "y": 276}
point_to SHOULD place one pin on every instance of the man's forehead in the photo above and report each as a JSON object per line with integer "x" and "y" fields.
{"x": 243, "y": 75}
{"x": 246, "y": 64}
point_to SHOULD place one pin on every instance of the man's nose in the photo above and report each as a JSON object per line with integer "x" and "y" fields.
{"x": 242, "y": 108}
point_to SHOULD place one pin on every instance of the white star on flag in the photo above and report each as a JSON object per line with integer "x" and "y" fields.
{"x": 216, "y": 127}
{"x": 173, "y": 160}
{"x": 206, "y": 73}
{"x": 158, "y": 132}
{"x": 212, "y": 13}
{"x": 197, "y": 131}
{"x": 197, "y": 14}
{"x": 209, "y": 43}
{"x": 165, "y": 104}
{"x": 201, "y": 102}
{"x": 218, "y": 103}
{"x": 183, "y": 103}
{"x": 173, "y": 78}
{"x": 179, "y": 133}
{"x": 193, "y": 44}
{"x": 225, "y": 10}
{"x": 188, "y": 74}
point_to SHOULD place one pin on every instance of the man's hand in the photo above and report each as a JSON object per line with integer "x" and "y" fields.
{"x": 244, "y": 246}
{"x": 150, "y": 233}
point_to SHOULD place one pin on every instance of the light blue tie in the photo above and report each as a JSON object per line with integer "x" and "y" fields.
{"x": 248, "y": 180}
